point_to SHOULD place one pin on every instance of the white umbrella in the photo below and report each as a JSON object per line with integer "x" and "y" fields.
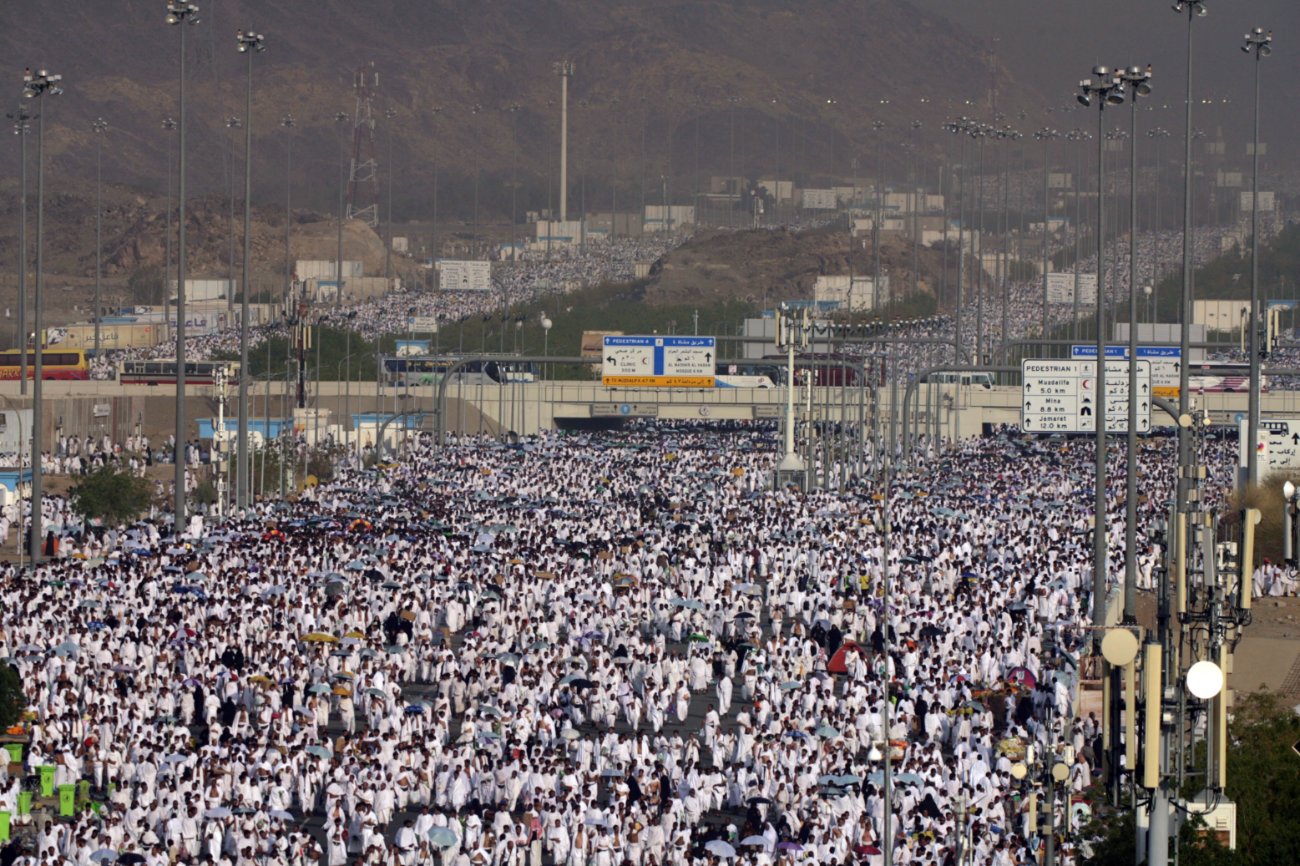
{"x": 720, "y": 848}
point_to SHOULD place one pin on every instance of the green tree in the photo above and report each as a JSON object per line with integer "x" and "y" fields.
{"x": 1264, "y": 782}
{"x": 111, "y": 496}
{"x": 12, "y": 699}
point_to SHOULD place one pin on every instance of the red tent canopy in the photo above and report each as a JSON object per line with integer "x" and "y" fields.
{"x": 837, "y": 663}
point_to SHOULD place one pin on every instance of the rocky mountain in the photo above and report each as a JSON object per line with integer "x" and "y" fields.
{"x": 679, "y": 89}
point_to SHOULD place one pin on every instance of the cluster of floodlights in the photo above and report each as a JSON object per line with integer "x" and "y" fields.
{"x": 39, "y": 83}
{"x": 1107, "y": 85}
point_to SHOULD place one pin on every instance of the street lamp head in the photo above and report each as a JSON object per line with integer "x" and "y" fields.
{"x": 1288, "y": 489}
{"x": 1259, "y": 42}
{"x": 41, "y": 83}
{"x": 99, "y": 125}
{"x": 246, "y": 40}
{"x": 1140, "y": 79}
{"x": 178, "y": 12}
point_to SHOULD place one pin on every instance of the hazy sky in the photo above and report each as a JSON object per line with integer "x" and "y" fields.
{"x": 1054, "y": 43}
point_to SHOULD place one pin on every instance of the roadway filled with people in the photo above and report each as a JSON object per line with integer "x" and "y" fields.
{"x": 584, "y": 648}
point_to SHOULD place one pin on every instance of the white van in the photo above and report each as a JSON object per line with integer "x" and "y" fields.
{"x": 979, "y": 379}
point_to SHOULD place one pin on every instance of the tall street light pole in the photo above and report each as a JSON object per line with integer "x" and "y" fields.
{"x": 340, "y": 119}
{"x": 1155, "y": 135}
{"x": 1138, "y": 83}
{"x": 1006, "y": 133}
{"x": 99, "y": 126}
{"x": 168, "y": 125}
{"x": 1045, "y": 135}
{"x": 232, "y": 123}
{"x": 877, "y": 126}
{"x": 38, "y": 85}
{"x": 288, "y": 123}
{"x": 21, "y": 129}
{"x": 433, "y": 231}
{"x": 513, "y": 110}
{"x": 183, "y": 14}
{"x": 959, "y": 128}
{"x": 1104, "y": 88}
{"x": 1258, "y": 43}
{"x": 248, "y": 43}
{"x": 916, "y": 207}
{"x": 1076, "y": 136}
{"x": 389, "y": 114}
{"x": 1194, "y": 9}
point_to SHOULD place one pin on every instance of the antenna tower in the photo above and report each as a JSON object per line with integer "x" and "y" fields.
{"x": 363, "y": 179}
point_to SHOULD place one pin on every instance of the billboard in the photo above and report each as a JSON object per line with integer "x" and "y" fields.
{"x": 460, "y": 275}
{"x": 406, "y": 348}
{"x": 1060, "y": 288}
{"x": 1221, "y": 314}
{"x": 835, "y": 290}
{"x": 325, "y": 269}
{"x": 819, "y": 199}
{"x": 594, "y": 341}
{"x": 1265, "y": 201}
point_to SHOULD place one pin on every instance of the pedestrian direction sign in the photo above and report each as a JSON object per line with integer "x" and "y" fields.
{"x": 1278, "y": 446}
{"x": 658, "y": 362}
{"x": 1166, "y": 363}
{"x": 1062, "y": 396}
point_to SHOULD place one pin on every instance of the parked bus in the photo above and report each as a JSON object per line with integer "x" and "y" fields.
{"x": 408, "y": 370}
{"x": 55, "y": 364}
{"x": 163, "y": 372}
{"x": 830, "y": 371}
{"x": 1227, "y": 378}
{"x": 735, "y": 380}
{"x": 979, "y": 378}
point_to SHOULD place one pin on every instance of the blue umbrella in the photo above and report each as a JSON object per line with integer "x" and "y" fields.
{"x": 443, "y": 837}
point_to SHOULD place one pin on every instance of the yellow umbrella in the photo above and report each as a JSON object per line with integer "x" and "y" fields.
{"x": 356, "y": 633}
{"x": 319, "y": 637}
{"x": 408, "y": 615}
{"x": 261, "y": 680}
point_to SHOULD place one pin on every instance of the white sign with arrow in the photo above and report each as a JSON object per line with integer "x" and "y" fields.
{"x": 658, "y": 362}
{"x": 1278, "y": 447}
{"x": 1062, "y": 397}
